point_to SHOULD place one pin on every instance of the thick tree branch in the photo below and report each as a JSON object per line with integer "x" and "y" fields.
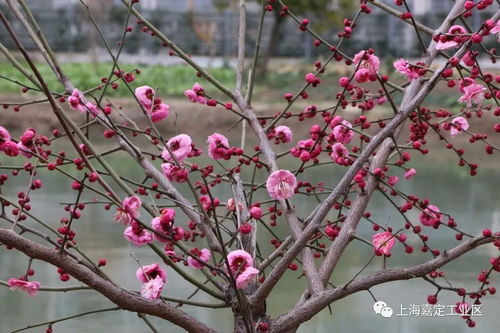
{"x": 355, "y": 214}
{"x": 313, "y": 305}
{"x": 294, "y": 224}
{"x": 415, "y": 94}
{"x": 124, "y": 299}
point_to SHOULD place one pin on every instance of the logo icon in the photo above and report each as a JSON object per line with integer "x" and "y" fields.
{"x": 382, "y": 309}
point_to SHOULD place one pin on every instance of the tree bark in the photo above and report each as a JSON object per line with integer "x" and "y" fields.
{"x": 125, "y": 299}
{"x": 271, "y": 45}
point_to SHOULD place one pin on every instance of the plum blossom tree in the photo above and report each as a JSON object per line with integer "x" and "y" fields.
{"x": 217, "y": 237}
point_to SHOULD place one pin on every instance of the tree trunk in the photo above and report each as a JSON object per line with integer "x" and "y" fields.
{"x": 271, "y": 45}
{"x": 256, "y": 315}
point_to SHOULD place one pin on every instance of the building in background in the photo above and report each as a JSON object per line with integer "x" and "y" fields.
{"x": 203, "y": 27}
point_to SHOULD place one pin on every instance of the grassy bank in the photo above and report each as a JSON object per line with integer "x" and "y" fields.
{"x": 171, "y": 80}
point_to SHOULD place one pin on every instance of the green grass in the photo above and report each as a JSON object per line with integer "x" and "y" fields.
{"x": 171, "y": 80}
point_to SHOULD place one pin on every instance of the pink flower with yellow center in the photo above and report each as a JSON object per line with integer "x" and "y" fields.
{"x": 281, "y": 184}
{"x": 383, "y": 243}
{"x": 218, "y": 146}
{"x": 458, "y": 125}
{"x": 180, "y": 146}
{"x": 473, "y": 94}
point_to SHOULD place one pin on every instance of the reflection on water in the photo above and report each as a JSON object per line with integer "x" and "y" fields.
{"x": 473, "y": 206}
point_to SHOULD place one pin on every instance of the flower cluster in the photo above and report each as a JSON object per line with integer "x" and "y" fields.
{"x": 241, "y": 267}
{"x": 196, "y": 94}
{"x": 151, "y": 103}
{"x": 153, "y": 278}
{"x": 367, "y": 65}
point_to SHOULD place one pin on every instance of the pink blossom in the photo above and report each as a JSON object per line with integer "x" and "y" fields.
{"x": 340, "y": 154}
{"x": 10, "y": 148}
{"x": 31, "y": 288}
{"x": 174, "y": 173}
{"x": 153, "y": 288}
{"x": 203, "y": 255}
{"x": 310, "y": 77}
{"x": 245, "y": 277}
{"x": 153, "y": 106}
{"x": 196, "y": 94}
{"x": 410, "y": 173}
{"x": 25, "y": 151}
{"x": 4, "y": 136}
{"x": 496, "y": 30}
{"x": 171, "y": 253}
{"x": 239, "y": 261}
{"x": 283, "y": 134}
{"x": 362, "y": 75}
{"x": 145, "y": 96}
{"x": 75, "y": 101}
{"x": 256, "y": 212}
{"x": 450, "y": 42}
{"x": 382, "y": 243}
{"x": 129, "y": 211}
{"x": 163, "y": 224}
{"x": 85, "y": 149}
{"x": 27, "y": 137}
{"x": 177, "y": 233}
{"x": 137, "y": 235}
{"x": 191, "y": 96}
{"x": 468, "y": 59}
{"x": 206, "y": 202}
{"x": 335, "y": 121}
{"x": 430, "y": 216}
{"x": 132, "y": 205}
{"x": 467, "y": 81}
{"x": 160, "y": 112}
{"x": 381, "y": 100}
{"x": 368, "y": 66}
{"x": 342, "y": 132}
{"x": 180, "y": 146}
{"x": 92, "y": 109}
{"x": 167, "y": 215}
{"x": 173, "y": 233}
{"x": 459, "y": 124}
{"x": 446, "y": 45}
{"x": 281, "y": 184}
{"x": 218, "y": 146}
{"x": 405, "y": 68}
{"x": 241, "y": 265}
{"x": 473, "y": 94}
{"x": 306, "y": 149}
{"x": 231, "y": 205}
{"x": 122, "y": 216}
{"x": 149, "y": 272}
{"x": 344, "y": 82}
{"x": 197, "y": 88}
{"x": 393, "y": 180}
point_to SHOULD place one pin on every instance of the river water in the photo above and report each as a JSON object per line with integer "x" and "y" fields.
{"x": 472, "y": 201}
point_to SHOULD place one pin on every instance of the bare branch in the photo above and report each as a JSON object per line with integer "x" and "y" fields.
{"x": 312, "y": 306}
{"x": 121, "y": 297}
